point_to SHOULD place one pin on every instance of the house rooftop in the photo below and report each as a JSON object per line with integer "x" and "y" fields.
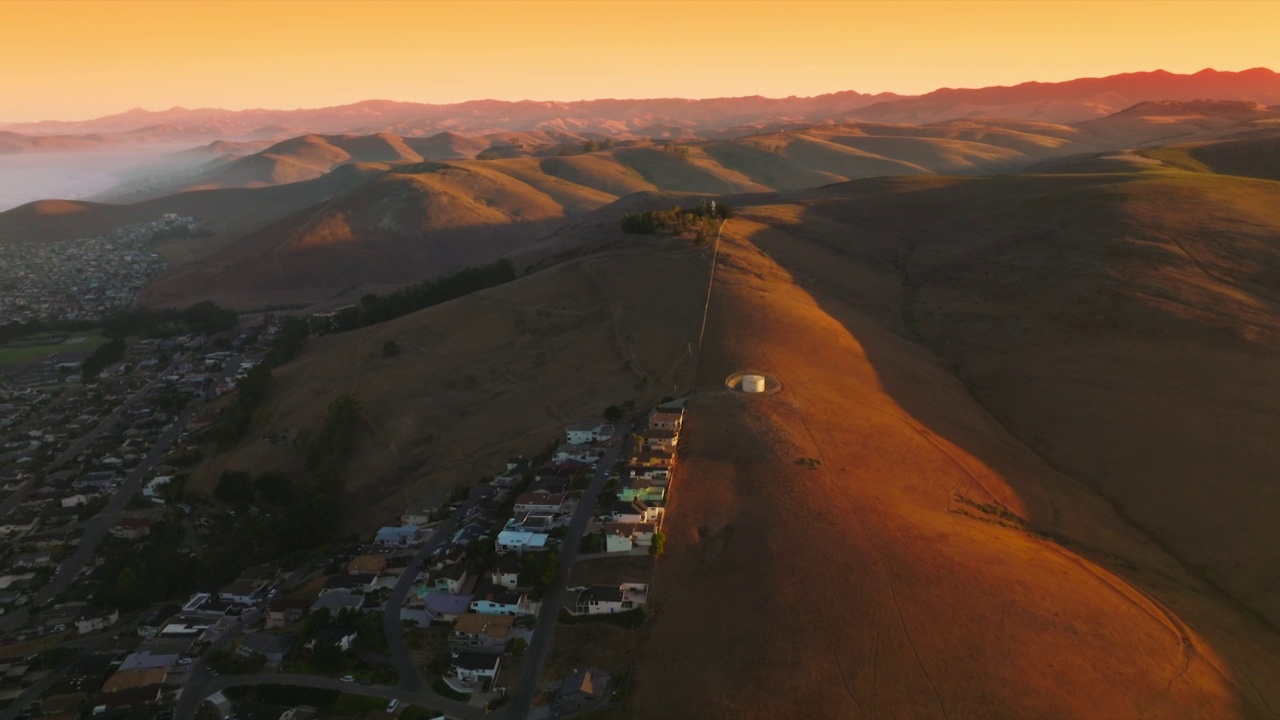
{"x": 495, "y": 626}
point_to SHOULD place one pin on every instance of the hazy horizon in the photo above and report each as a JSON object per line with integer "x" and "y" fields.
{"x": 87, "y": 60}
{"x": 196, "y": 108}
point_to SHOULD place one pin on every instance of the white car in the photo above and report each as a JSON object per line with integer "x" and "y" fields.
{"x": 186, "y": 661}
{"x": 348, "y": 678}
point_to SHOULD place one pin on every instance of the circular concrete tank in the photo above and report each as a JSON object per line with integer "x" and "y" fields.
{"x": 753, "y": 382}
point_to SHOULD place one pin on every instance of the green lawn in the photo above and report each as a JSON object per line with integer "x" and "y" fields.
{"x": 77, "y": 343}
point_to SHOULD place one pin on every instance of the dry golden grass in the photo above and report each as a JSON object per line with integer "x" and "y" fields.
{"x": 497, "y": 373}
{"x": 874, "y": 584}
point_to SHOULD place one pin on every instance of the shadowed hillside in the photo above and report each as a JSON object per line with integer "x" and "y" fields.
{"x": 493, "y": 374}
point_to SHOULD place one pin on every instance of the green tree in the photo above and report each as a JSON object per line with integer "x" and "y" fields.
{"x": 235, "y": 487}
{"x": 390, "y": 349}
{"x": 613, "y": 413}
{"x": 659, "y": 544}
{"x": 274, "y": 487}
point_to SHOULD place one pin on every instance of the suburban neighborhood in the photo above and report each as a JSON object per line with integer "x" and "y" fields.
{"x": 450, "y": 609}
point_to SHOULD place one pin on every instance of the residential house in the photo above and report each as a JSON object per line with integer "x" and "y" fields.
{"x": 582, "y": 688}
{"x": 284, "y": 611}
{"x": 402, "y": 536}
{"x": 494, "y": 600}
{"x": 241, "y": 592}
{"x": 519, "y": 541}
{"x": 607, "y": 599}
{"x": 536, "y": 502}
{"x": 134, "y": 698}
{"x": 132, "y": 528}
{"x": 76, "y": 500}
{"x": 152, "y": 490}
{"x": 646, "y": 472}
{"x": 275, "y": 648}
{"x": 472, "y": 668}
{"x": 444, "y": 607}
{"x": 638, "y": 488}
{"x": 451, "y": 578}
{"x": 418, "y": 516}
{"x": 481, "y": 632}
{"x": 636, "y": 511}
{"x": 470, "y": 532}
{"x": 156, "y": 618}
{"x": 336, "y": 635}
{"x": 661, "y": 440}
{"x": 505, "y": 572}
{"x": 96, "y": 621}
{"x": 534, "y": 522}
{"x": 335, "y": 601}
{"x": 144, "y": 660}
{"x": 626, "y": 536}
{"x": 581, "y": 454}
{"x": 666, "y": 419}
{"x": 43, "y": 558}
{"x": 587, "y": 432}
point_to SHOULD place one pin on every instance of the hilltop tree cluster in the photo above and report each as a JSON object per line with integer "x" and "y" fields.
{"x": 703, "y": 220}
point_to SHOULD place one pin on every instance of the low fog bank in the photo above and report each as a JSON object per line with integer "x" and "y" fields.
{"x": 78, "y": 175}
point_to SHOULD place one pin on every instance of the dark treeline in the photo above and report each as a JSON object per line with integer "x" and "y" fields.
{"x": 411, "y": 298}
{"x": 102, "y": 357}
{"x": 204, "y": 317}
{"x": 300, "y": 513}
{"x": 236, "y": 419}
{"x": 702, "y": 219}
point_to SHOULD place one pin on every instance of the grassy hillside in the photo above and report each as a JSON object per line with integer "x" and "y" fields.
{"x": 1043, "y": 410}
{"x": 493, "y": 374}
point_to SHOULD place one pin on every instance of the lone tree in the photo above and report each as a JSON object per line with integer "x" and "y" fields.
{"x": 613, "y": 413}
{"x": 659, "y": 544}
{"x": 390, "y": 348}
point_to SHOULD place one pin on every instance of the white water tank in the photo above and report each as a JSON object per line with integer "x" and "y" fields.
{"x": 753, "y": 383}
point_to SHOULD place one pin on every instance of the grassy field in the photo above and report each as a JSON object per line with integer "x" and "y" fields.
{"x": 79, "y": 343}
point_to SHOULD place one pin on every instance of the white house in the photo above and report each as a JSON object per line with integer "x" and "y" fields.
{"x": 472, "y": 667}
{"x": 520, "y": 541}
{"x": 96, "y": 621}
{"x": 636, "y": 511}
{"x": 587, "y": 432}
{"x": 76, "y": 500}
{"x": 506, "y": 573}
{"x": 151, "y": 490}
{"x": 623, "y": 537}
{"x": 584, "y": 454}
{"x": 502, "y": 603}
{"x": 606, "y": 599}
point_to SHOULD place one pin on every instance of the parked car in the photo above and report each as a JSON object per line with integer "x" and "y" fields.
{"x": 348, "y": 678}
{"x": 391, "y": 706}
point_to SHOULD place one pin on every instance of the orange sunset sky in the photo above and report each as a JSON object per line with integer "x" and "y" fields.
{"x": 75, "y": 60}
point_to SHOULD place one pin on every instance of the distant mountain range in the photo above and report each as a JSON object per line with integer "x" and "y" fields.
{"x": 1062, "y": 102}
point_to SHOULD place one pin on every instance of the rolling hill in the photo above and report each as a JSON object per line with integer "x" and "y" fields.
{"x": 1035, "y": 415}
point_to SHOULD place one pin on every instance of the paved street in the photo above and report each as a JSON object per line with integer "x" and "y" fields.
{"x": 401, "y": 658}
{"x": 539, "y": 649}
